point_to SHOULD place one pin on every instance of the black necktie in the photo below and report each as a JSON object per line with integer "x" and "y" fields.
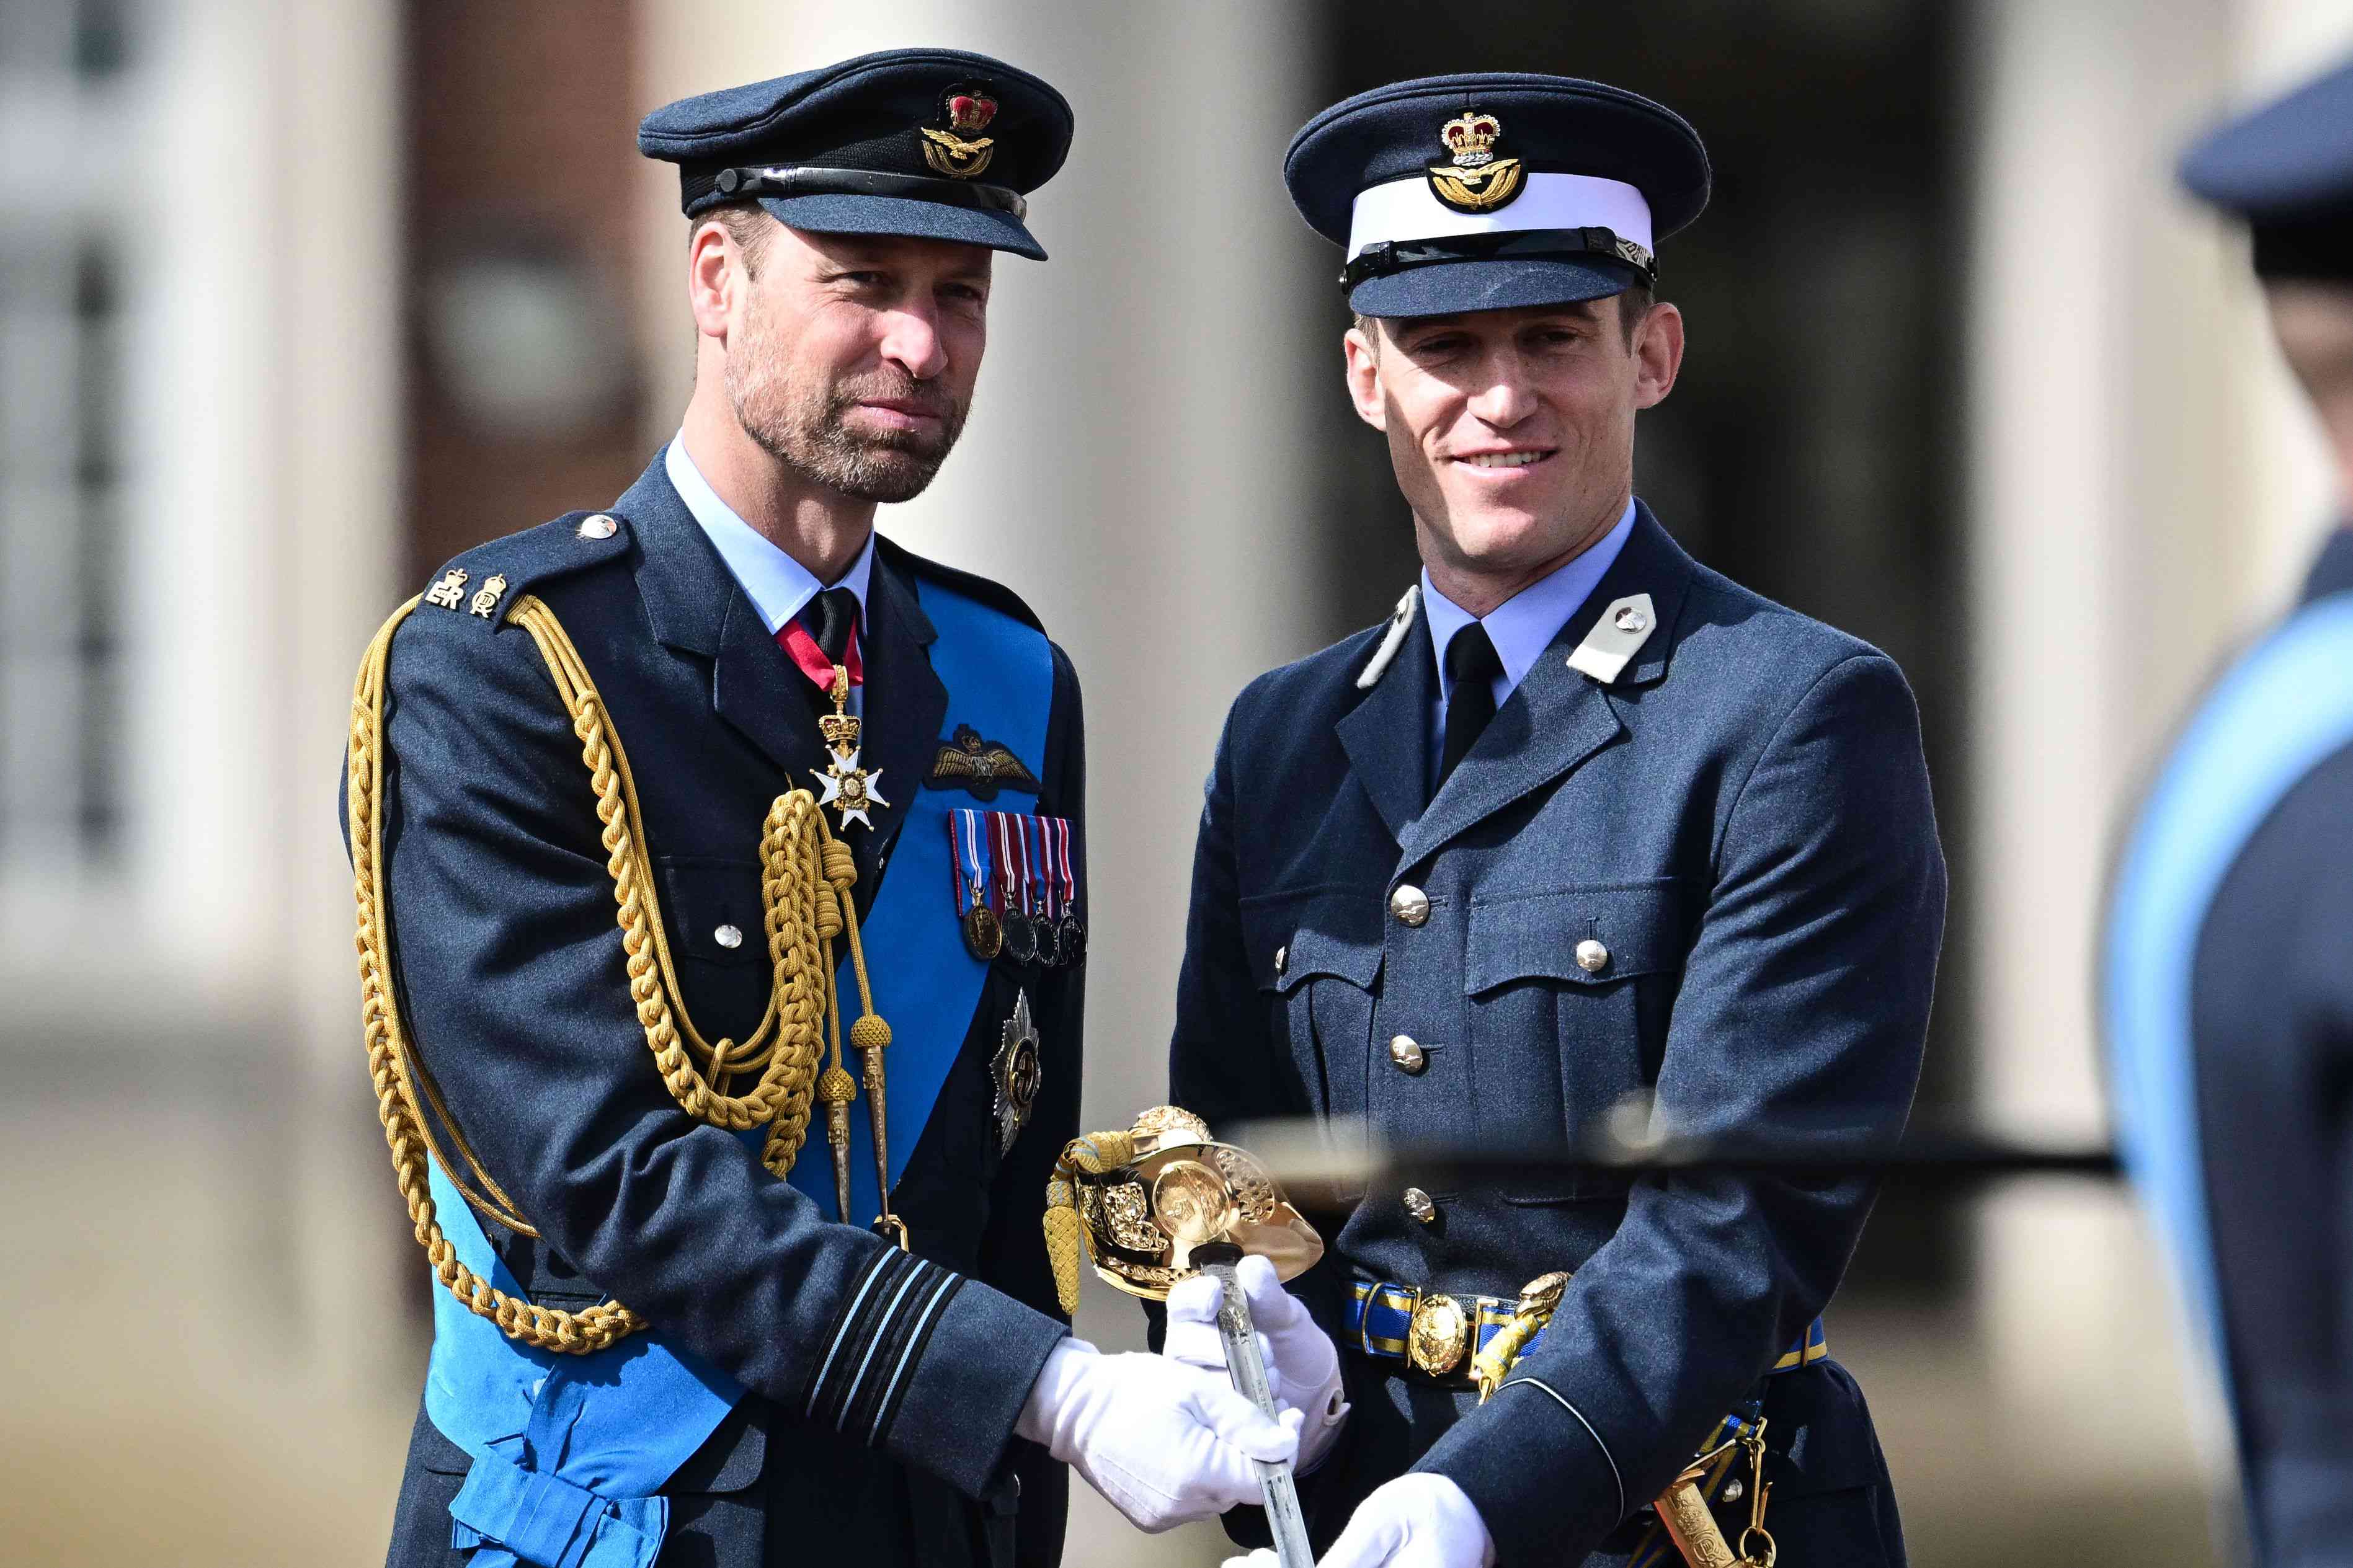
{"x": 831, "y": 617}
{"x": 1471, "y": 666}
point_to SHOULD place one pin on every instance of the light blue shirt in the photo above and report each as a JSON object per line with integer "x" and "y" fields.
{"x": 1522, "y": 626}
{"x": 777, "y": 584}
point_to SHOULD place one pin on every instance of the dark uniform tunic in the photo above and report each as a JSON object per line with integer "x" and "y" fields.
{"x": 2269, "y": 1080}
{"x": 1741, "y": 818}
{"x": 510, "y": 971}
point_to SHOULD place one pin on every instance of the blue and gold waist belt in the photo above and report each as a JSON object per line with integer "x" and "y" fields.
{"x": 1437, "y": 1334}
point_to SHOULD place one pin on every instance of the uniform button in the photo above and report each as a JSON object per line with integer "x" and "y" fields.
{"x": 1407, "y": 1052}
{"x": 1630, "y": 619}
{"x": 728, "y": 936}
{"x": 1418, "y": 1205}
{"x": 1410, "y": 904}
{"x": 1591, "y": 956}
{"x": 1282, "y": 960}
{"x": 599, "y": 526}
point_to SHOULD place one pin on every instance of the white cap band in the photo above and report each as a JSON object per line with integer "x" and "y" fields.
{"x": 1407, "y": 210}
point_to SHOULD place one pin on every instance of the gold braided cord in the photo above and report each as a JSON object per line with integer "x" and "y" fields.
{"x": 805, "y": 874}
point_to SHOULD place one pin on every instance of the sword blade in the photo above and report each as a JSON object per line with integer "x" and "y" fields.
{"x": 1276, "y": 1483}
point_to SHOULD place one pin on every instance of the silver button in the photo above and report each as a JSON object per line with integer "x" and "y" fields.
{"x": 1630, "y": 619}
{"x": 1733, "y": 1490}
{"x": 728, "y": 936}
{"x": 1282, "y": 960}
{"x": 1410, "y": 904}
{"x": 1591, "y": 956}
{"x": 1407, "y": 1052}
{"x": 599, "y": 526}
{"x": 1419, "y": 1205}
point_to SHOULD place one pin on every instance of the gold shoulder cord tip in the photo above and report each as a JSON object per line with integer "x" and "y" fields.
{"x": 805, "y": 876}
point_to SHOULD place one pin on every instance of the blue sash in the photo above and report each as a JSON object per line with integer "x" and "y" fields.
{"x": 570, "y": 1452}
{"x": 2283, "y": 707}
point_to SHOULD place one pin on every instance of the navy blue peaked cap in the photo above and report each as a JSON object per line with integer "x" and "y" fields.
{"x": 2288, "y": 168}
{"x": 931, "y": 143}
{"x": 1494, "y": 190}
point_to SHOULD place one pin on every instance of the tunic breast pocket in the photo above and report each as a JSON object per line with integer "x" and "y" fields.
{"x": 719, "y": 940}
{"x": 1316, "y": 955}
{"x": 1568, "y": 991}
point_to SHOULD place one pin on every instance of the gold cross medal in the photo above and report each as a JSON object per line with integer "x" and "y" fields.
{"x": 849, "y": 788}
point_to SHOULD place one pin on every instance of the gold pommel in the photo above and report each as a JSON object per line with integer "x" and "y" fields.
{"x": 1139, "y": 1203}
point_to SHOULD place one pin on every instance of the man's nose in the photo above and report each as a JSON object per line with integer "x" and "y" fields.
{"x": 911, "y": 338}
{"x": 1505, "y": 400}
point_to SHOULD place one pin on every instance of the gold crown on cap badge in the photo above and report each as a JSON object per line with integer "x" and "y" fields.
{"x": 968, "y": 108}
{"x": 1476, "y": 181}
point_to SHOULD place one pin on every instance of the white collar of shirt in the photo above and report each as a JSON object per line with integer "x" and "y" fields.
{"x": 1524, "y": 626}
{"x": 777, "y": 584}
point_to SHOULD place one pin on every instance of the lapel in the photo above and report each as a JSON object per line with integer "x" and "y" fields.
{"x": 1397, "y": 777}
{"x": 693, "y": 603}
{"x": 1558, "y": 717}
{"x": 905, "y": 701}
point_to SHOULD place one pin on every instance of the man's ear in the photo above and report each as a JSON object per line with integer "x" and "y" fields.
{"x": 1363, "y": 359}
{"x": 1658, "y": 355}
{"x": 714, "y": 274}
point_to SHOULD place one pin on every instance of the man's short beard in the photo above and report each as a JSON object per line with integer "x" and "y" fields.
{"x": 803, "y": 426}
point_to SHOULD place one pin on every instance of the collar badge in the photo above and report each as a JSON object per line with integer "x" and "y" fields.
{"x": 956, "y": 147}
{"x": 1477, "y": 181}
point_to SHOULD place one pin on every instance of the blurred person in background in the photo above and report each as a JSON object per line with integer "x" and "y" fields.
{"x": 771, "y": 1381}
{"x": 1585, "y": 832}
{"x": 2228, "y": 972}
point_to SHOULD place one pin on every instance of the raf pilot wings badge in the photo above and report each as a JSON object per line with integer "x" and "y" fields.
{"x": 982, "y": 767}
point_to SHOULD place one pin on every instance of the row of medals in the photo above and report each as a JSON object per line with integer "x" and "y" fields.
{"x": 1026, "y": 938}
{"x": 849, "y": 790}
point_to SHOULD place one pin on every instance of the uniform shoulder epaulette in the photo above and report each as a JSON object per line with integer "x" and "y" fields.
{"x": 993, "y": 593}
{"x": 484, "y": 582}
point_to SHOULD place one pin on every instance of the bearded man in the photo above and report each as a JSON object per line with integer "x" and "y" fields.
{"x": 650, "y": 1346}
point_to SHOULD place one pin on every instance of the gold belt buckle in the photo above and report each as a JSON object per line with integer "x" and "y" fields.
{"x": 1438, "y": 1335}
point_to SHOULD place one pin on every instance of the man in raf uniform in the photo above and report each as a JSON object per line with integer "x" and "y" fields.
{"x": 1584, "y": 831}
{"x": 647, "y": 1344}
{"x": 2229, "y": 966}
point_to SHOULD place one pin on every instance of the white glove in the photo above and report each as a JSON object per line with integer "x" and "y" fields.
{"x": 1164, "y": 1445}
{"x": 1301, "y": 1364}
{"x": 1418, "y": 1520}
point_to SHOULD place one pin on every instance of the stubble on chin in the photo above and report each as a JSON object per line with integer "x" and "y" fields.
{"x": 805, "y": 426}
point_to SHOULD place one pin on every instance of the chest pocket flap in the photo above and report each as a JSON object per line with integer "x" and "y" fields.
{"x": 1640, "y": 929}
{"x": 1292, "y": 937}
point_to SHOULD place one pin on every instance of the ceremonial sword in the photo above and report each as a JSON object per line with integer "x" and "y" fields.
{"x": 1276, "y": 1481}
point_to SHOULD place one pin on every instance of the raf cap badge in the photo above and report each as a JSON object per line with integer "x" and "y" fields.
{"x": 1477, "y": 181}
{"x": 966, "y": 760}
{"x": 957, "y": 148}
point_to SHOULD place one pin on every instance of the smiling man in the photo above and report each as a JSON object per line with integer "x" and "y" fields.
{"x": 1586, "y": 835}
{"x": 697, "y": 1299}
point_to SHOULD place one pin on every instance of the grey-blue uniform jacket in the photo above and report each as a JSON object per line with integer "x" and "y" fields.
{"x": 509, "y": 969}
{"x": 1740, "y": 816}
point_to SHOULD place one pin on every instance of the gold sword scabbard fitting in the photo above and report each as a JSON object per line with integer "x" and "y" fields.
{"x": 835, "y": 1088}
{"x": 1684, "y": 1511}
